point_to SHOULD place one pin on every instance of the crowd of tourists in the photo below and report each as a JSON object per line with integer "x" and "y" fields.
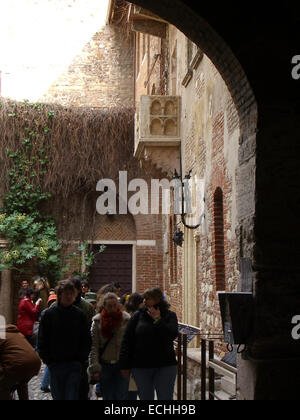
{"x": 119, "y": 346}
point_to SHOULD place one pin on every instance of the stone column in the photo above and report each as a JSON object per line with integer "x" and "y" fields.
{"x": 5, "y": 290}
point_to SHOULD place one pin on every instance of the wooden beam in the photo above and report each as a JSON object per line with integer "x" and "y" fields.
{"x": 110, "y": 12}
{"x": 150, "y": 27}
{"x": 140, "y": 12}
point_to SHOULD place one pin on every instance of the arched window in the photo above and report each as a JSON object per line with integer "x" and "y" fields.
{"x": 219, "y": 244}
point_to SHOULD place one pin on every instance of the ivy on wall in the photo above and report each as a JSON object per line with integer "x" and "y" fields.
{"x": 30, "y": 234}
{"x": 84, "y": 260}
{"x": 49, "y": 151}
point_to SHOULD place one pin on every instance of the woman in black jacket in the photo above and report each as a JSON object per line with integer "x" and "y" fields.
{"x": 148, "y": 348}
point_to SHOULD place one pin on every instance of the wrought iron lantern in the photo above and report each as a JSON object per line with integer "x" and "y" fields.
{"x": 185, "y": 195}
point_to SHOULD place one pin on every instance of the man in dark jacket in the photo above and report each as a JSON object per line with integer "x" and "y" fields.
{"x": 64, "y": 343}
{"x": 89, "y": 312}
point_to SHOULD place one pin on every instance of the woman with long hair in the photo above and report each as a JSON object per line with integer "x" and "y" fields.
{"x": 107, "y": 331}
{"x": 148, "y": 348}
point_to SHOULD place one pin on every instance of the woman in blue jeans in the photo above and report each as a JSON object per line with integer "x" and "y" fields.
{"x": 107, "y": 332}
{"x": 148, "y": 348}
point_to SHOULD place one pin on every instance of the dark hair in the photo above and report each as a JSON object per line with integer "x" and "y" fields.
{"x": 30, "y": 292}
{"x": 116, "y": 285}
{"x": 123, "y": 299}
{"x": 63, "y": 286}
{"x": 133, "y": 303}
{"x": 157, "y": 296}
{"x": 84, "y": 283}
{"x": 76, "y": 282}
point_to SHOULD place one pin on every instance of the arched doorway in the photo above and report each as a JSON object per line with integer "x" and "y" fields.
{"x": 267, "y": 164}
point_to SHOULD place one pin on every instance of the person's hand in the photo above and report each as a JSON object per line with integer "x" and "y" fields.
{"x": 38, "y": 302}
{"x": 125, "y": 373}
{"x": 154, "y": 313}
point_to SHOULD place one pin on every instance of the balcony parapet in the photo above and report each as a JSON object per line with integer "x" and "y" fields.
{"x": 158, "y": 131}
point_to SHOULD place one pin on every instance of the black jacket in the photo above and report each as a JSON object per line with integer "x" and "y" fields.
{"x": 64, "y": 335}
{"x": 147, "y": 344}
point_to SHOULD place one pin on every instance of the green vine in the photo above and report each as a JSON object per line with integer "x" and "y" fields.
{"x": 85, "y": 260}
{"x": 52, "y": 151}
{"x": 31, "y": 235}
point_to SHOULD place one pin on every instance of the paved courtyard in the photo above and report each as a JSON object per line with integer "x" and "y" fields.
{"x": 35, "y": 393}
{"x": 34, "y": 385}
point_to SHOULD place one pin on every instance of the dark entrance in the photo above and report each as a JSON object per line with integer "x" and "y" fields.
{"x": 112, "y": 265}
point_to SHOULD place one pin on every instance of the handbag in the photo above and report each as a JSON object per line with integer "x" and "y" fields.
{"x": 102, "y": 350}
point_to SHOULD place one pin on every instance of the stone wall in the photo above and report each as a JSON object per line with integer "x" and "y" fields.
{"x": 208, "y": 261}
{"x": 100, "y": 76}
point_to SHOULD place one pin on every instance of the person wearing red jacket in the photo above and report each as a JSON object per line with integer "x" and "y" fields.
{"x": 28, "y": 314}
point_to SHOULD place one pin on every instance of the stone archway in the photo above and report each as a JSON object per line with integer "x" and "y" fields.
{"x": 254, "y": 58}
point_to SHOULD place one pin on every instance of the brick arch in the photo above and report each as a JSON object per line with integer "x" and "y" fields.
{"x": 254, "y": 59}
{"x": 194, "y": 26}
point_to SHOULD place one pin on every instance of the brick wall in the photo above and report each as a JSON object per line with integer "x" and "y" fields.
{"x": 100, "y": 76}
{"x": 103, "y": 76}
{"x": 210, "y": 134}
{"x": 115, "y": 228}
{"x": 150, "y": 65}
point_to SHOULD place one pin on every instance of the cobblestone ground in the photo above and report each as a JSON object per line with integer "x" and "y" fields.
{"x": 34, "y": 387}
{"x": 35, "y": 393}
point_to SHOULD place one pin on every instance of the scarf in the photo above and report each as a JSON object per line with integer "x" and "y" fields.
{"x": 110, "y": 322}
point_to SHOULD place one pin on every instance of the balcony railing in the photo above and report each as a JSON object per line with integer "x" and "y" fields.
{"x": 211, "y": 368}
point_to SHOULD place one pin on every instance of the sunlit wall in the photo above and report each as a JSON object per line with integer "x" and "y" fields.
{"x": 39, "y": 39}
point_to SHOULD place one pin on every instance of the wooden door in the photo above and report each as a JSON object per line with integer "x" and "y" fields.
{"x": 112, "y": 265}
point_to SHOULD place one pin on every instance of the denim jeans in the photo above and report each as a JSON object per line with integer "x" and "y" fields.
{"x": 65, "y": 380}
{"x": 162, "y": 380}
{"x": 113, "y": 385}
{"x": 46, "y": 378}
